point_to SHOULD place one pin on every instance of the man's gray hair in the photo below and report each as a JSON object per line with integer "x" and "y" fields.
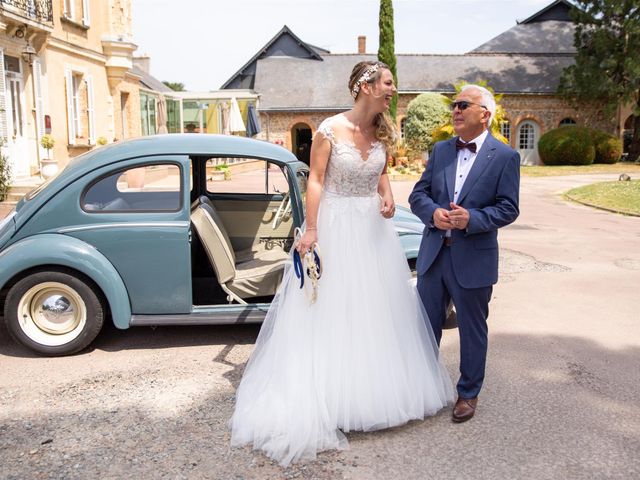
{"x": 487, "y": 100}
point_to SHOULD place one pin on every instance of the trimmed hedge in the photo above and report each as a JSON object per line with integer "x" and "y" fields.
{"x": 567, "y": 145}
{"x": 608, "y": 147}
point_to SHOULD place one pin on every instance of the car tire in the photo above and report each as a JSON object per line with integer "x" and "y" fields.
{"x": 54, "y": 312}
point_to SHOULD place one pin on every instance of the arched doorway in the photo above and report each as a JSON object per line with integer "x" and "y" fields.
{"x": 527, "y": 142}
{"x": 301, "y": 141}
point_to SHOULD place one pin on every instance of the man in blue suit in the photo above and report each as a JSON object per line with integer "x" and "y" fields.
{"x": 469, "y": 190}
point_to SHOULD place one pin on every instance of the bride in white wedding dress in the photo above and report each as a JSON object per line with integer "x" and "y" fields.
{"x": 363, "y": 356}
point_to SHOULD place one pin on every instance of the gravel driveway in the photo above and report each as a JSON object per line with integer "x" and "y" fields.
{"x": 561, "y": 398}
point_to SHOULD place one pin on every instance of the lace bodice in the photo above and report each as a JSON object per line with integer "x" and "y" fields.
{"x": 347, "y": 173}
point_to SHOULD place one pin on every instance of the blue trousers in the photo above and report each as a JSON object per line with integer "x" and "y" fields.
{"x": 436, "y": 287}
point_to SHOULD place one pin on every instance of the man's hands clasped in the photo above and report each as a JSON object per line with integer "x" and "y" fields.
{"x": 456, "y": 218}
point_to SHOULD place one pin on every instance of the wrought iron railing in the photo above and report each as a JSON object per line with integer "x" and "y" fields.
{"x": 39, "y": 10}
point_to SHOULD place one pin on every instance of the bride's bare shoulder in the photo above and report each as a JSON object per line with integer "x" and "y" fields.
{"x": 339, "y": 124}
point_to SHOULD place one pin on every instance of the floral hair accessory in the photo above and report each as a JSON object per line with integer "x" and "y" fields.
{"x": 366, "y": 75}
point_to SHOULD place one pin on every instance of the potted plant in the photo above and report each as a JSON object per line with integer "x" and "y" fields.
{"x": 401, "y": 156}
{"x": 48, "y": 166}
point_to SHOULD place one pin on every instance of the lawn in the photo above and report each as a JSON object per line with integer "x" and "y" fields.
{"x": 633, "y": 169}
{"x": 622, "y": 197}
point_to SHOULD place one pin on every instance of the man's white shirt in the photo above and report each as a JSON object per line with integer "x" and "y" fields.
{"x": 465, "y": 161}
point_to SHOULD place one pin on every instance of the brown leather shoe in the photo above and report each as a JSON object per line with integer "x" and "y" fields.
{"x": 464, "y": 409}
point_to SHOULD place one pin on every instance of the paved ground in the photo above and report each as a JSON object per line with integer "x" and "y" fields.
{"x": 562, "y": 396}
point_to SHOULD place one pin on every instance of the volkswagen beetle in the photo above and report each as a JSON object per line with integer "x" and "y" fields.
{"x": 163, "y": 230}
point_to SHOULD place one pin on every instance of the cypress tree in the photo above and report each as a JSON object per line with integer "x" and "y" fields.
{"x": 387, "y": 49}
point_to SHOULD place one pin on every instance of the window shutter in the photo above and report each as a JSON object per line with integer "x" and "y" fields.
{"x": 3, "y": 99}
{"x": 90, "y": 113}
{"x": 37, "y": 71}
{"x": 71, "y": 121}
{"x": 85, "y": 12}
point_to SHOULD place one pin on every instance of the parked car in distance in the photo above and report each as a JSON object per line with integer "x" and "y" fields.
{"x": 160, "y": 230}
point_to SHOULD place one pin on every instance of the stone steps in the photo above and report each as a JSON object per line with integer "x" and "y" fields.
{"x": 20, "y": 188}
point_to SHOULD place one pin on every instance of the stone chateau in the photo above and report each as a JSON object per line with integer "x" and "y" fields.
{"x": 524, "y": 63}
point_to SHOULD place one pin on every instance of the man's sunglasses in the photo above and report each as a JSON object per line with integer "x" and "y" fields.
{"x": 463, "y": 105}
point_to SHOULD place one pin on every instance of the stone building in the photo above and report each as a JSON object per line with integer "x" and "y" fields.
{"x": 65, "y": 70}
{"x": 300, "y": 84}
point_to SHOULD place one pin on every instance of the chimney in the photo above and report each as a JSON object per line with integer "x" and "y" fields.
{"x": 142, "y": 62}
{"x": 362, "y": 44}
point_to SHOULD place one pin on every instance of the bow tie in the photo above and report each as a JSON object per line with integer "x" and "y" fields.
{"x": 471, "y": 146}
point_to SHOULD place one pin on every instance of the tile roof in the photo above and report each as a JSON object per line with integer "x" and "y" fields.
{"x": 299, "y": 84}
{"x": 551, "y": 36}
{"x": 150, "y": 82}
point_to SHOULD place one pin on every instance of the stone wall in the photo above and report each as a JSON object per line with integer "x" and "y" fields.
{"x": 277, "y": 127}
{"x": 547, "y": 111}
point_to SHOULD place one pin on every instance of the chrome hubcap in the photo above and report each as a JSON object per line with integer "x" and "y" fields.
{"x": 52, "y": 313}
{"x": 55, "y": 313}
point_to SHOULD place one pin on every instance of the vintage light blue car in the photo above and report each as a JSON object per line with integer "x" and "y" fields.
{"x": 164, "y": 230}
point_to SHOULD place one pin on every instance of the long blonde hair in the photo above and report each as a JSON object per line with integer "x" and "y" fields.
{"x": 385, "y": 128}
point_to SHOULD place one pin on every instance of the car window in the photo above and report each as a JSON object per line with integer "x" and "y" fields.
{"x": 302, "y": 176}
{"x": 142, "y": 189}
{"x": 245, "y": 175}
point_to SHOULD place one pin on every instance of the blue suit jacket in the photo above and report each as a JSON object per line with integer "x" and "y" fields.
{"x": 490, "y": 194}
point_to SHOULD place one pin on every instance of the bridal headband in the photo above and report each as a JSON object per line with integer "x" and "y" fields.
{"x": 365, "y": 77}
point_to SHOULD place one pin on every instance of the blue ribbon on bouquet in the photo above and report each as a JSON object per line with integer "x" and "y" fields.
{"x": 314, "y": 265}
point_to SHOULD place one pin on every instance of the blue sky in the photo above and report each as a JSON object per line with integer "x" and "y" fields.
{"x": 201, "y": 43}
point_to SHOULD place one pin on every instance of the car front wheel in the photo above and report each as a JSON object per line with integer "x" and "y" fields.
{"x": 54, "y": 313}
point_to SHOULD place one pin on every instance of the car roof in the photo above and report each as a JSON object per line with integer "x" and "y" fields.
{"x": 183, "y": 144}
{"x": 193, "y": 144}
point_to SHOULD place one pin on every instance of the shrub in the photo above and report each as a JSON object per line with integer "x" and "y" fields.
{"x": 608, "y": 147}
{"x": 567, "y": 145}
{"x": 425, "y": 113}
{"x": 101, "y": 141}
{"x": 5, "y": 176}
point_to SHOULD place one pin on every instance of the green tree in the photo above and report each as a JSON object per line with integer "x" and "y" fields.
{"x": 387, "y": 49}
{"x": 607, "y": 66}
{"x": 175, "y": 86}
{"x": 425, "y": 113}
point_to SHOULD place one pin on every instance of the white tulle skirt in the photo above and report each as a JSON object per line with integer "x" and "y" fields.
{"x": 363, "y": 357}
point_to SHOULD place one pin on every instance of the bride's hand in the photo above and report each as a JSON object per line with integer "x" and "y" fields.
{"x": 308, "y": 238}
{"x": 387, "y": 206}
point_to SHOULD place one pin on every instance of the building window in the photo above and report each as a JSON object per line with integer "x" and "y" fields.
{"x": 12, "y": 64}
{"x": 69, "y": 9}
{"x": 76, "y": 11}
{"x": 567, "y": 121}
{"x": 14, "y": 90}
{"x": 403, "y": 123}
{"x": 527, "y": 137}
{"x": 124, "y": 99}
{"x": 173, "y": 115}
{"x": 148, "y": 111}
{"x": 78, "y": 96}
{"x": 505, "y": 129}
{"x": 80, "y": 114}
